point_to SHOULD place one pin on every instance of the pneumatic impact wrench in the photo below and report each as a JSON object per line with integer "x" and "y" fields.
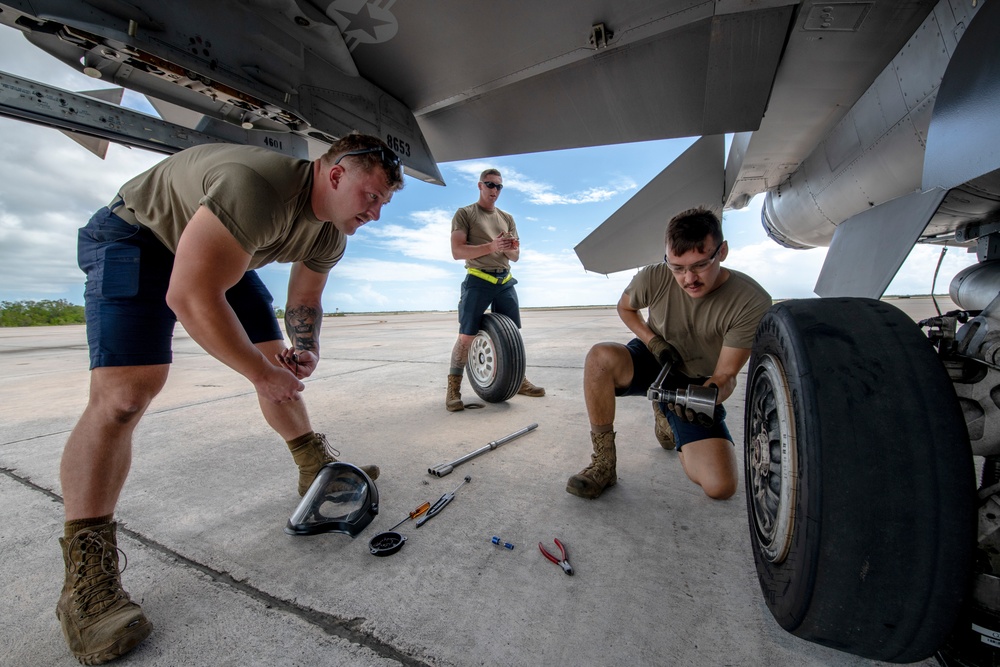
{"x": 699, "y": 399}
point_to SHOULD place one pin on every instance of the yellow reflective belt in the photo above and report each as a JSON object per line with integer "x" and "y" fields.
{"x": 487, "y": 277}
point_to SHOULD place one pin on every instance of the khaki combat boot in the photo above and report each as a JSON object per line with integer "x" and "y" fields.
{"x": 99, "y": 620}
{"x": 453, "y": 400}
{"x": 528, "y": 389}
{"x": 314, "y": 452}
{"x": 661, "y": 428}
{"x": 600, "y": 474}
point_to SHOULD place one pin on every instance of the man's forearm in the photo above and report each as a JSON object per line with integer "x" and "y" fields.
{"x": 636, "y": 324}
{"x": 302, "y": 323}
{"x": 726, "y": 385}
{"x": 466, "y": 251}
{"x": 211, "y": 322}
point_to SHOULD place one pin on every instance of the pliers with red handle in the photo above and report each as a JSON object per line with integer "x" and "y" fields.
{"x": 561, "y": 562}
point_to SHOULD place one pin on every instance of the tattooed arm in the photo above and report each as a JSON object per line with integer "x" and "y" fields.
{"x": 302, "y": 326}
{"x": 303, "y": 317}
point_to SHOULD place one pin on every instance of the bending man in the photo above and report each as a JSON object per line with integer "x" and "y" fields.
{"x": 181, "y": 242}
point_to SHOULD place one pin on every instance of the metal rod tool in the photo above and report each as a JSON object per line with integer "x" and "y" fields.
{"x": 445, "y": 468}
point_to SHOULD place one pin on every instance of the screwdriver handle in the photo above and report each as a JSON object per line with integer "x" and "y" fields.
{"x": 413, "y": 515}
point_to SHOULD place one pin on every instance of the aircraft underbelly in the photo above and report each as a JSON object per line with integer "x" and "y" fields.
{"x": 707, "y": 77}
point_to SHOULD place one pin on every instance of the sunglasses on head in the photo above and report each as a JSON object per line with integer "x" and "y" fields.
{"x": 493, "y": 186}
{"x": 389, "y": 159}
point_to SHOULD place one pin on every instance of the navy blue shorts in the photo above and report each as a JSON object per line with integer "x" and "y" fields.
{"x": 645, "y": 368}
{"x": 478, "y": 295}
{"x": 128, "y": 271}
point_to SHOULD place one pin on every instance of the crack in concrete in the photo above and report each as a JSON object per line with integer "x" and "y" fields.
{"x": 349, "y": 629}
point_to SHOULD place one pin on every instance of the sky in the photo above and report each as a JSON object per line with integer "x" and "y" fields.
{"x": 50, "y": 186}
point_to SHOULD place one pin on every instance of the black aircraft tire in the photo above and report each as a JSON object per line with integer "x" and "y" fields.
{"x": 496, "y": 361}
{"x": 859, "y": 478}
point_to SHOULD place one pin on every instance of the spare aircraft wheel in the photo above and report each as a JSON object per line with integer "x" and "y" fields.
{"x": 859, "y": 479}
{"x": 496, "y": 359}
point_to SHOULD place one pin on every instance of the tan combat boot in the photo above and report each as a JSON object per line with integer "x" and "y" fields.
{"x": 312, "y": 454}
{"x": 528, "y": 389}
{"x": 600, "y": 474}
{"x": 99, "y": 620}
{"x": 661, "y": 428}
{"x": 453, "y": 400}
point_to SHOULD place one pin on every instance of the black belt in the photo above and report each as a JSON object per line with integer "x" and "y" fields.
{"x": 118, "y": 207}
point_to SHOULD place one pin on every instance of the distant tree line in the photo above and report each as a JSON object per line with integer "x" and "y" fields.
{"x": 39, "y": 313}
{"x": 48, "y": 313}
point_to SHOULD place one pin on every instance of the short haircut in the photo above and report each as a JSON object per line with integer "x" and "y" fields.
{"x": 489, "y": 172}
{"x": 688, "y": 229}
{"x": 368, "y": 161}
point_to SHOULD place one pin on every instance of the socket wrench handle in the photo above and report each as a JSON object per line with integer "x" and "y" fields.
{"x": 443, "y": 469}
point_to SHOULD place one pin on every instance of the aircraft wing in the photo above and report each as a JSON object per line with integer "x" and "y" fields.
{"x": 439, "y": 81}
{"x": 634, "y": 235}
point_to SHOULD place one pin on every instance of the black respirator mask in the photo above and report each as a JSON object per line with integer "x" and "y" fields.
{"x": 342, "y": 499}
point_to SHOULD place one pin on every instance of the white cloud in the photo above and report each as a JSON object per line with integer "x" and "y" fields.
{"x": 783, "y": 272}
{"x": 430, "y": 240}
{"x": 917, "y": 272}
{"x": 558, "y": 279}
{"x": 50, "y": 188}
{"x": 364, "y": 298}
{"x": 378, "y": 270}
{"x": 542, "y": 193}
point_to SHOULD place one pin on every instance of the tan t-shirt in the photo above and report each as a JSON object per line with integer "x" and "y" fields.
{"x": 699, "y": 328}
{"x": 262, "y": 198}
{"x": 481, "y": 226}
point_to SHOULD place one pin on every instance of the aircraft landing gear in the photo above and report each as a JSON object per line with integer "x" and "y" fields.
{"x": 859, "y": 479}
{"x": 971, "y": 355}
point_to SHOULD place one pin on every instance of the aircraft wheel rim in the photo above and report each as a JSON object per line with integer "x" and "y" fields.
{"x": 772, "y": 461}
{"x": 483, "y": 359}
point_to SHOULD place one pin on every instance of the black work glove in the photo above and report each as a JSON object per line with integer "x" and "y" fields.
{"x": 664, "y": 352}
{"x": 686, "y": 414}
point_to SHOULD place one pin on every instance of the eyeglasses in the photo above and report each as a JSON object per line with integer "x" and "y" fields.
{"x": 697, "y": 267}
{"x": 389, "y": 159}
{"x": 493, "y": 186}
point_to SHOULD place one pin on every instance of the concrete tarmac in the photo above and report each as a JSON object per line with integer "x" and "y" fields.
{"x": 663, "y": 575}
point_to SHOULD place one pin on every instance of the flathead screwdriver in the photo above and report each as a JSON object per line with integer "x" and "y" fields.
{"x": 413, "y": 515}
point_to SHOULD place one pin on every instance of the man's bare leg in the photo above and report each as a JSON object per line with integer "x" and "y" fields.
{"x": 98, "y": 452}
{"x": 608, "y": 366}
{"x": 98, "y": 619}
{"x": 290, "y": 419}
{"x": 460, "y": 352}
{"x": 711, "y": 464}
{"x": 459, "y": 356}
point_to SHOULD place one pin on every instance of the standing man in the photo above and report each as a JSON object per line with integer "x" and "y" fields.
{"x": 701, "y": 319}
{"x": 181, "y": 242}
{"x": 486, "y": 238}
